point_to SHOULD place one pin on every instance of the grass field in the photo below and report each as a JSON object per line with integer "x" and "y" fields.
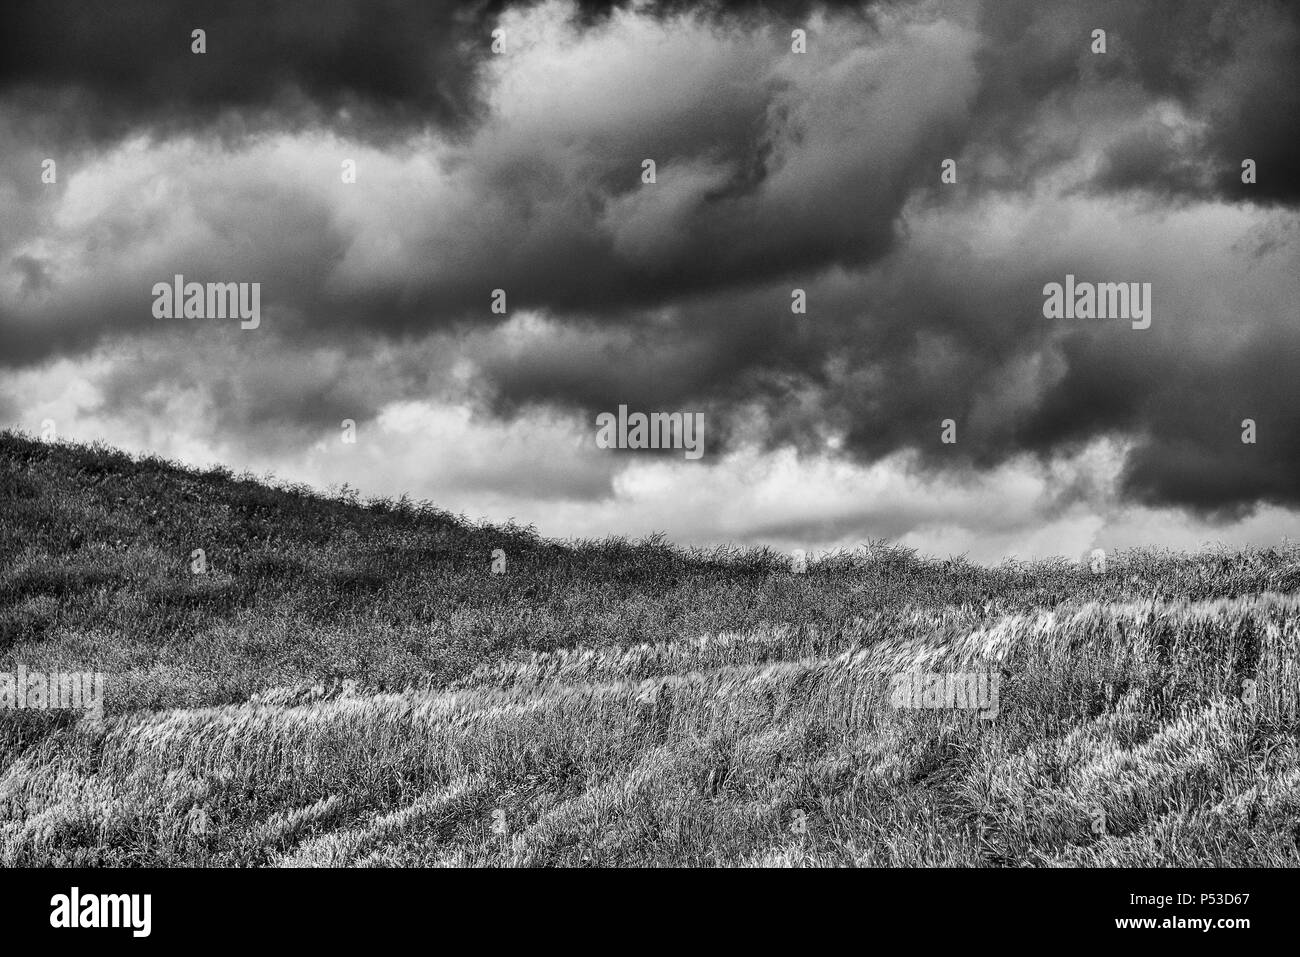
{"x": 349, "y": 683}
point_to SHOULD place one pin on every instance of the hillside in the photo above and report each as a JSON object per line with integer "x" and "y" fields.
{"x": 349, "y": 682}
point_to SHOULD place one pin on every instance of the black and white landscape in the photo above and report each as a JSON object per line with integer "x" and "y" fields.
{"x": 589, "y": 434}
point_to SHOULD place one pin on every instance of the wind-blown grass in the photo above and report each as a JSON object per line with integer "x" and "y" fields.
{"x": 350, "y": 685}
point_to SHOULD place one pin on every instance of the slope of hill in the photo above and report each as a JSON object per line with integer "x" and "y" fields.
{"x": 351, "y": 683}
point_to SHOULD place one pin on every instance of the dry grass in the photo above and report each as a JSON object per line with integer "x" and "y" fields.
{"x": 353, "y": 687}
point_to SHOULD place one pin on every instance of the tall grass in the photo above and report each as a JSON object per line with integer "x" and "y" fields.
{"x": 350, "y": 685}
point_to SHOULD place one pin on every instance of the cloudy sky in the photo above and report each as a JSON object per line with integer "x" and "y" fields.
{"x": 775, "y": 170}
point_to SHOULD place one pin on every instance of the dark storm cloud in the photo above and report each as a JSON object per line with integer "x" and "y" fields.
{"x": 1197, "y": 457}
{"x": 774, "y": 172}
{"x": 1236, "y": 67}
{"x": 297, "y": 59}
{"x": 773, "y": 175}
{"x": 974, "y": 347}
{"x": 374, "y": 66}
{"x": 1233, "y": 67}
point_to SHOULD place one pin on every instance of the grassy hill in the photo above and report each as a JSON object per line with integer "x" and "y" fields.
{"x": 349, "y": 682}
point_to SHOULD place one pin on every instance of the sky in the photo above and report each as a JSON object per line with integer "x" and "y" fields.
{"x": 502, "y": 146}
